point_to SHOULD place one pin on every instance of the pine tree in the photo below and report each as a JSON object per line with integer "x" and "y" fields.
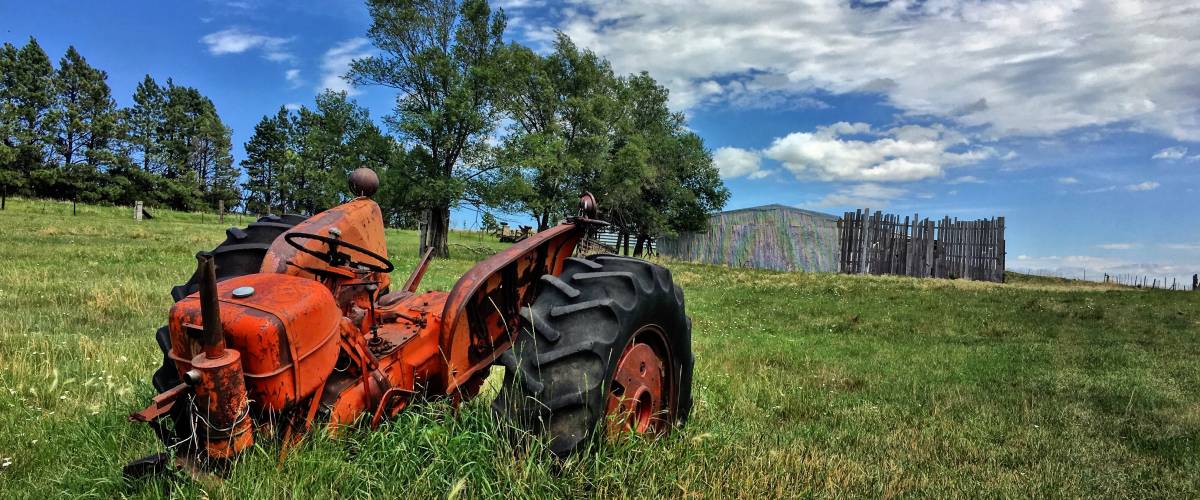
{"x": 143, "y": 121}
{"x": 28, "y": 82}
{"x": 195, "y": 146}
{"x": 10, "y": 176}
{"x": 266, "y": 157}
{"x": 70, "y": 84}
{"x": 103, "y": 122}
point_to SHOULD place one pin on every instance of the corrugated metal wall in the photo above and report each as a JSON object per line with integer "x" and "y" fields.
{"x": 768, "y": 237}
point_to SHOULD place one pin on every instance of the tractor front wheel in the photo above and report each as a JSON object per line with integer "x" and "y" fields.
{"x": 605, "y": 346}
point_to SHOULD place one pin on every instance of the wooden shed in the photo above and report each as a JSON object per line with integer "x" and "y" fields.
{"x": 775, "y": 237}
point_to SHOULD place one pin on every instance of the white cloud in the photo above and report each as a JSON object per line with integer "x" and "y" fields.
{"x": 292, "y": 106}
{"x": 1182, "y": 246}
{"x": 1104, "y": 189}
{"x": 966, "y": 179}
{"x": 1068, "y": 180}
{"x": 760, "y": 174}
{"x": 336, "y": 62}
{"x": 293, "y": 77}
{"x": 1142, "y": 186}
{"x": 737, "y": 162}
{"x": 869, "y": 195}
{"x": 1015, "y": 67}
{"x": 854, "y": 152}
{"x": 237, "y": 41}
{"x": 1171, "y": 153}
{"x": 1118, "y": 246}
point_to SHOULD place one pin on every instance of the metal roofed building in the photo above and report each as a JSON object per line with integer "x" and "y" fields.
{"x": 774, "y": 236}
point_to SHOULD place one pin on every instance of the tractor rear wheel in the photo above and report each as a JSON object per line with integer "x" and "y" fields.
{"x": 605, "y": 346}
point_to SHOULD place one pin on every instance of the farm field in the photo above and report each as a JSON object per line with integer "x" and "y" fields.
{"x": 806, "y": 384}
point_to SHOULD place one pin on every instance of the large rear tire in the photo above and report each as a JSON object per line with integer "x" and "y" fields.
{"x": 605, "y": 345}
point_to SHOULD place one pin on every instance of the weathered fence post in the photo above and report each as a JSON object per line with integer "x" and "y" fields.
{"x": 137, "y": 211}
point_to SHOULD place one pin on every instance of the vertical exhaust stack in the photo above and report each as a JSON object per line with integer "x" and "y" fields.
{"x": 213, "y": 340}
{"x": 217, "y": 376}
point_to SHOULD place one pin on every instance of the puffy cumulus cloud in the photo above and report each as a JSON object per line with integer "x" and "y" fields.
{"x": 862, "y": 195}
{"x": 1142, "y": 186}
{"x": 1020, "y": 67}
{"x": 855, "y": 152}
{"x": 237, "y": 41}
{"x": 737, "y": 162}
{"x": 336, "y": 62}
{"x": 1172, "y": 153}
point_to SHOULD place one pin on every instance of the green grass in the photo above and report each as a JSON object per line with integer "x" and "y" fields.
{"x": 806, "y": 384}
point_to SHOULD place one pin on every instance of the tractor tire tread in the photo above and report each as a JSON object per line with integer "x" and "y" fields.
{"x": 556, "y": 385}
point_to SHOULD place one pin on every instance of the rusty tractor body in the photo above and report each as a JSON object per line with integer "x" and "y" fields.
{"x": 316, "y": 335}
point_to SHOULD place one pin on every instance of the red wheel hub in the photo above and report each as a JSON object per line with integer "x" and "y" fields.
{"x": 638, "y": 395}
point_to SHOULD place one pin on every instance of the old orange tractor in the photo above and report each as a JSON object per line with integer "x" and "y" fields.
{"x": 293, "y": 323}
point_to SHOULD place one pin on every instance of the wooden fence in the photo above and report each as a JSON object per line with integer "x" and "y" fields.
{"x": 1139, "y": 281}
{"x": 948, "y": 248}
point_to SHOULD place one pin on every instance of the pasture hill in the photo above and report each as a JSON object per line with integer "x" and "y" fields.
{"x": 806, "y": 383}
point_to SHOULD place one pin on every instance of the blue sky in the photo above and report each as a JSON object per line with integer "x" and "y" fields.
{"x": 1078, "y": 121}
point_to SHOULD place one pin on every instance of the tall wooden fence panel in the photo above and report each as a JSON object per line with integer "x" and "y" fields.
{"x": 878, "y": 243}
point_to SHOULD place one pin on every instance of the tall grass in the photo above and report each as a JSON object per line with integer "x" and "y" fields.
{"x": 806, "y": 384}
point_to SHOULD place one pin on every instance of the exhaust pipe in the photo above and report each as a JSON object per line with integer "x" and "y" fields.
{"x": 213, "y": 338}
{"x": 217, "y": 377}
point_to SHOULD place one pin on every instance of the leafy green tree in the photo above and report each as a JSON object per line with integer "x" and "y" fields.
{"x": 562, "y": 106}
{"x": 441, "y": 58}
{"x": 327, "y": 140}
{"x": 660, "y": 179}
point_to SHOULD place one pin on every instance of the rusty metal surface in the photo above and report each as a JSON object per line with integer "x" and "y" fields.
{"x": 212, "y": 338}
{"x": 414, "y": 279}
{"x": 305, "y": 341}
{"x": 360, "y": 222}
{"x": 160, "y": 405}
{"x": 286, "y": 330}
{"x": 480, "y": 315}
{"x": 221, "y": 405}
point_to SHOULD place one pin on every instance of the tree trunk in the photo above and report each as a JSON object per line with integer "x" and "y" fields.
{"x": 439, "y": 234}
{"x": 624, "y": 242}
{"x": 422, "y": 232}
{"x": 637, "y": 249}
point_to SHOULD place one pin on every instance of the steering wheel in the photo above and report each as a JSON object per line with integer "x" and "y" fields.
{"x": 335, "y": 258}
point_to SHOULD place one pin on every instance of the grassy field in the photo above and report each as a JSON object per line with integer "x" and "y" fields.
{"x": 806, "y": 384}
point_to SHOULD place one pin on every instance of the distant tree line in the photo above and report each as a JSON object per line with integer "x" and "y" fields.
{"x": 477, "y": 122}
{"x": 64, "y": 137}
